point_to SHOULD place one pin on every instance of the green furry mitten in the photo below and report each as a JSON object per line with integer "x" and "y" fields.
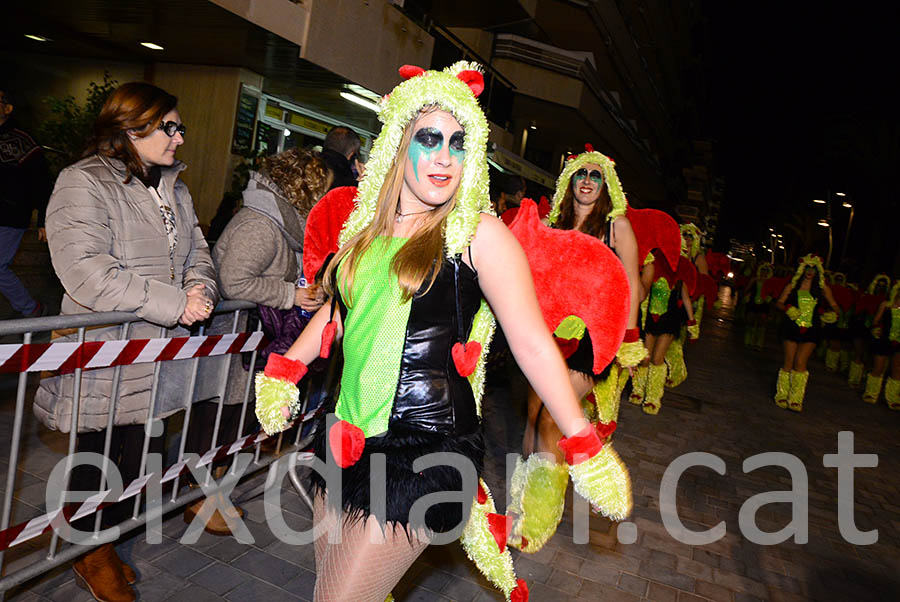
{"x": 277, "y": 396}
{"x": 538, "y": 494}
{"x": 597, "y": 472}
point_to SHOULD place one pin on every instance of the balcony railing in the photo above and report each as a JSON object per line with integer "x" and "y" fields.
{"x": 579, "y": 65}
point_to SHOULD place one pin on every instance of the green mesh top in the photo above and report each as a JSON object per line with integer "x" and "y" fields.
{"x": 894, "y": 335}
{"x": 807, "y": 304}
{"x": 374, "y": 332}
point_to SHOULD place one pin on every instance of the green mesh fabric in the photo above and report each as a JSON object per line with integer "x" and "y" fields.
{"x": 659, "y": 297}
{"x": 807, "y": 305}
{"x": 895, "y": 324}
{"x": 374, "y": 332}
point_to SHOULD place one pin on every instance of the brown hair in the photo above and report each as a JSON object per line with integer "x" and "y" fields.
{"x": 136, "y": 108}
{"x": 595, "y": 222}
{"x": 301, "y": 175}
{"x": 421, "y": 256}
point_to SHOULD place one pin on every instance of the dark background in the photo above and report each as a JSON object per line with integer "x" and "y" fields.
{"x": 802, "y": 100}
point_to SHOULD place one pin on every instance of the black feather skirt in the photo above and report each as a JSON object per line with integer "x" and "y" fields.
{"x": 401, "y": 446}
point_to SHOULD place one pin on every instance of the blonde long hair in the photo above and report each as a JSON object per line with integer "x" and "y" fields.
{"x": 420, "y": 258}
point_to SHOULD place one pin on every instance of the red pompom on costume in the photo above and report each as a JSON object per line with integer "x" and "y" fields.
{"x": 347, "y": 442}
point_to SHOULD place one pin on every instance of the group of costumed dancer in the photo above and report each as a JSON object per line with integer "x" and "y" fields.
{"x": 417, "y": 274}
{"x": 818, "y": 309}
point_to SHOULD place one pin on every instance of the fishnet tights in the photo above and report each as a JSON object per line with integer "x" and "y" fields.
{"x": 367, "y": 562}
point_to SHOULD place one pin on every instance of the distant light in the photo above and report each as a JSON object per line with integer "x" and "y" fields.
{"x": 847, "y": 205}
{"x": 731, "y": 274}
{"x": 819, "y": 201}
{"x": 152, "y": 46}
{"x": 771, "y": 229}
{"x": 533, "y": 127}
{"x": 824, "y": 223}
{"x": 361, "y": 101}
{"x": 287, "y": 132}
{"x": 840, "y": 194}
{"x": 37, "y": 38}
{"x": 781, "y": 247}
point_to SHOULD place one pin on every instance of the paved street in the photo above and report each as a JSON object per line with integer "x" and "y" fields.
{"x": 724, "y": 408}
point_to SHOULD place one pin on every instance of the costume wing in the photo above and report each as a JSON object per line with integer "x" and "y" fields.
{"x": 687, "y": 273}
{"x": 323, "y": 227}
{"x": 655, "y": 229}
{"x": 576, "y": 275}
{"x": 718, "y": 263}
{"x": 843, "y": 295}
{"x": 707, "y": 288}
{"x": 773, "y": 287}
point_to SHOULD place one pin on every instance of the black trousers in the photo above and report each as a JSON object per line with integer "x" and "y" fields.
{"x": 125, "y": 454}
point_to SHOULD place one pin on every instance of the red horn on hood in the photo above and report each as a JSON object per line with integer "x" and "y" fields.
{"x": 410, "y": 71}
{"x": 473, "y": 79}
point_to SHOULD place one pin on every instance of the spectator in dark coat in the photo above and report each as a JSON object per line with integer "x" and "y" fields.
{"x": 24, "y": 187}
{"x": 341, "y": 153}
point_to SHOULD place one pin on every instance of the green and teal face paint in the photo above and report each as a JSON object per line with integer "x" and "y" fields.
{"x": 427, "y": 142}
{"x": 594, "y": 175}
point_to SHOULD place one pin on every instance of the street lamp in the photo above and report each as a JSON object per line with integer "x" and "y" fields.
{"x": 819, "y": 201}
{"x": 846, "y": 205}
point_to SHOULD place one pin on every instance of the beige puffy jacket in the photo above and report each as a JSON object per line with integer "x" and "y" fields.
{"x": 109, "y": 248}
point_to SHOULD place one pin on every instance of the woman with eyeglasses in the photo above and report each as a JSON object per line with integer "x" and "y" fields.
{"x": 588, "y": 198}
{"x": 123, "y": 236}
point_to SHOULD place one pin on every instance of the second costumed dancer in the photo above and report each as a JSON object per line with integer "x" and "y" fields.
{"x": 421, "y": 257}
{"x": 588, "y": 199}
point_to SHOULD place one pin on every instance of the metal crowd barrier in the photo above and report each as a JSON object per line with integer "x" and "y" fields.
{"x": 42, "y": 532}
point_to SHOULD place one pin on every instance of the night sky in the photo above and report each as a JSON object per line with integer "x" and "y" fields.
{"x": 802, "y": 99}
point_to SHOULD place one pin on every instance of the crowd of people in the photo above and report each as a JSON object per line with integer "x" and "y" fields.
{"x": 817, "y": 311}
{"x": 414, "y": 272}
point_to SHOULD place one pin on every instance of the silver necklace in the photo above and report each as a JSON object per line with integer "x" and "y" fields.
{"x": 400, "y": 216}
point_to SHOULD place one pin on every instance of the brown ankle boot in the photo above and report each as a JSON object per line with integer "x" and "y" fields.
{"x": 128, "y": 573}
{"x": 100, "y": 572}
{"x": 216, "y": 525}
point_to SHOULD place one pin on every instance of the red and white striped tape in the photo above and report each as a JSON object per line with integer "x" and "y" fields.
{"x": 38, "y": 525}
{"x": 67, "y": 357}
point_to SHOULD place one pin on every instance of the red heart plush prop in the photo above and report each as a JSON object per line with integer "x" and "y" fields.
{"x": 347, "y": 442}
{"x": 410, "y": 71}
{"x": 575, "y": 274}
{"x": 465, "y": 357}
{"x": 328, "y": 334}
{"x": 567, "y": 346}
{"x": 499, "y": 525}
{"x": 520, "y": 593}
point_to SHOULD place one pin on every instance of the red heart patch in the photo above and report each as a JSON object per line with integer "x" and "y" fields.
{"x": 499, "y": 525}
{"x": 347, "y": 442}
{"x": 465, "y": 357}
{"x": 482, "y": 495}
{"x": 520, "y": 593}
{"x": 567, "y": 346}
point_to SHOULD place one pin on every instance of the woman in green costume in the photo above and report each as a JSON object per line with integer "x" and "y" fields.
{"x": 589, "y": 198}
{"x": 885, "y": 347}
{"x": 421, "y": 259}
{"x": 801, "y": 331}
